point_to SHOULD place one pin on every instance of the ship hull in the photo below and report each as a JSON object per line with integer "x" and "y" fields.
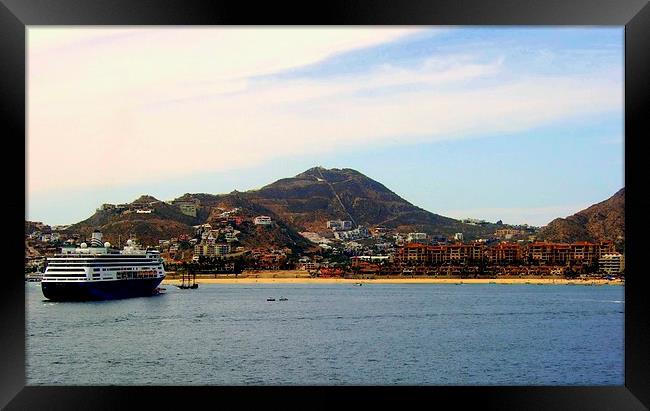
{"x": 100, "y": 290}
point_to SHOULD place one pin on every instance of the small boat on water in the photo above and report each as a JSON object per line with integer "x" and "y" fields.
{"x": 270, "y": 299}
{"x": 283, "y": 299}
{"x": 158, "y": 291}
{"x": 189, "y": 284}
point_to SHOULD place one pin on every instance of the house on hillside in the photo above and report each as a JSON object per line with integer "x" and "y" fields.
{"x": 262, "y": 220}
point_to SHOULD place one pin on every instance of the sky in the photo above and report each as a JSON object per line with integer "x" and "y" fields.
{"x": 519, "y": 124}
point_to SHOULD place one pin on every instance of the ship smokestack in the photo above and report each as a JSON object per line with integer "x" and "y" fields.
{"x": 96, "y": 239}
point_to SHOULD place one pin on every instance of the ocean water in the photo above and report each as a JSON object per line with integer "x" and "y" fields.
{"x": 332, "y": 334}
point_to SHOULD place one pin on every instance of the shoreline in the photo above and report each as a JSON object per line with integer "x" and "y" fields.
{"x": 454, "y": 281}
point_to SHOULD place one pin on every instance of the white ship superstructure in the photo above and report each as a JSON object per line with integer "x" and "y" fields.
{"x": 103, "y": 270}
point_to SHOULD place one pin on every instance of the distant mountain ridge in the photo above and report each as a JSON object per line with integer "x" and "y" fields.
{"x": 304, "y": 202}
{"x": 601, "y": 221}
{"x": 308, "y": 200}
{"x": 311, "y": 198}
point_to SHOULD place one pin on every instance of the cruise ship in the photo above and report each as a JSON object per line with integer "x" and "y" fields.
{"x": 99, "y": 272}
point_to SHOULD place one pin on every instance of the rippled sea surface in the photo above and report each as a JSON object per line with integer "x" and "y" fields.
{"x": 332, "y": 334}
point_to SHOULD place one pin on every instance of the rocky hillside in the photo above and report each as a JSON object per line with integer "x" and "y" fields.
{"x": 309, "y": 199}
{"x": 31, "y": 226}
{"x": 602, "y": 221}
{"x": 301, "y": 203}
{"x": 164, "y": 221}
{"x": 278, "y": 235}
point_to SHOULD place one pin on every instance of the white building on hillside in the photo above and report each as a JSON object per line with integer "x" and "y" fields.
{"x": 414, "y": 237}
{"x": 262, "y": 220}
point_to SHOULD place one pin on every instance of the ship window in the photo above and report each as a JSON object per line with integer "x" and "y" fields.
{"x": 95, "y": 269}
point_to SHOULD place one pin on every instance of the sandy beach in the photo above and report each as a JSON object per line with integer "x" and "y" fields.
{"x": 302, "y": 277}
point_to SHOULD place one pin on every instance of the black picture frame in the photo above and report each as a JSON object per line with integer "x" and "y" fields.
{"x": 16, "y": 15}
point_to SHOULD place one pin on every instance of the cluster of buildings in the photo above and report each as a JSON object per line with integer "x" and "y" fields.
{"x": 339, "y": 225}
{"x": 273, "y": 259}
{"x": 44, "y": 239}
{"x": 401, "y": 239}
{"x": 508, "y": 233}
{"x": 601, "y": 255}
{"x": 342, "y": 230}
{"x": 140, "y": 207}
{"x": 355, "y": 234}
{"x": 224, "y": 232}
{"x": 214, "y": 241}
{"x": 187, "y": 207}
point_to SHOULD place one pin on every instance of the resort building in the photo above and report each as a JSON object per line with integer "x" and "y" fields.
{"x": 210, "y": 250}
{"x": 505, "y": 253}
{"x": 222, "y": 249}
{"x": 582, "y": 252}
{"x": 613, "y": 263}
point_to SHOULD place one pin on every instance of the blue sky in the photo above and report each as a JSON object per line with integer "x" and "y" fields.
{"x": 518, "y": 124}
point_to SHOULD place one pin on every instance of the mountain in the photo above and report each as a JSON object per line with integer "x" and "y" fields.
{"x": 117, "y": 224}
{"x": 304, "y": 202}
{"x": 280, "y": 234}
{"x": 601, "y": 221}
{"x": 309, "y": 199}
{"x": 31, "y": 226}
{"x": 159, "y": 220}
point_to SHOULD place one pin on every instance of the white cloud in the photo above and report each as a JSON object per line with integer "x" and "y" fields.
{"x": 109, "y": 107}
